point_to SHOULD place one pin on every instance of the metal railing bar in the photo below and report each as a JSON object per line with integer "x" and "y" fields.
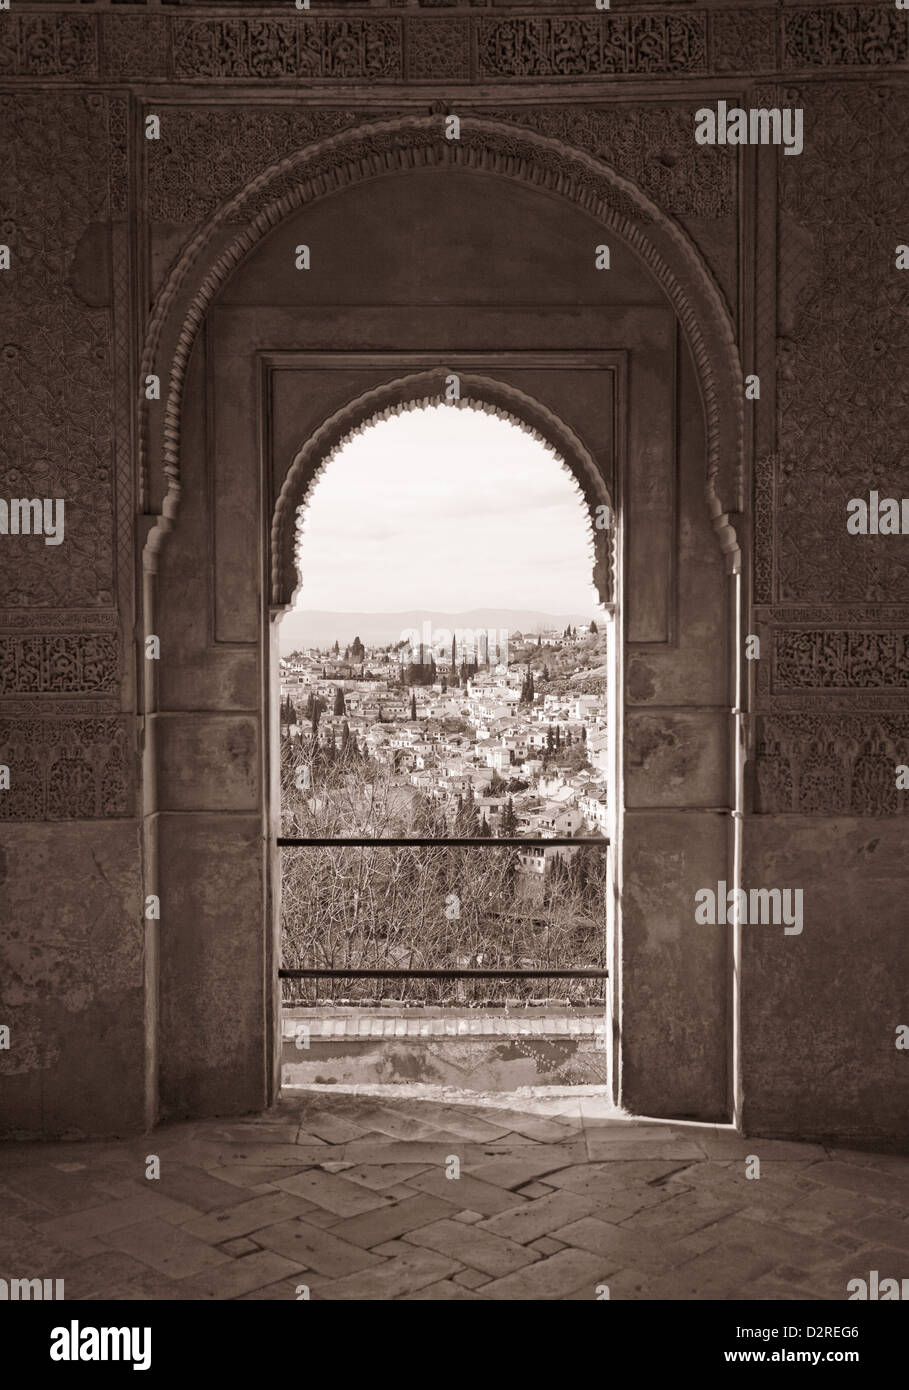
{"x": 354, "y": 842}
{"x": 443, "y": 974}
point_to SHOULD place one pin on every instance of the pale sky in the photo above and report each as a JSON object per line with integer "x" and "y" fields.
{"x": 446, "y": 509}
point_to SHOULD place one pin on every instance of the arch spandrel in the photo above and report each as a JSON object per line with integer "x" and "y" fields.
{"x": 414, "y": 143}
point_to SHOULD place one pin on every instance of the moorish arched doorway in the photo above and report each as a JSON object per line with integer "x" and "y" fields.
{"x": 268, "y": 367}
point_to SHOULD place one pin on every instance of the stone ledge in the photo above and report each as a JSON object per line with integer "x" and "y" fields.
{"x": 328, "y": 1026}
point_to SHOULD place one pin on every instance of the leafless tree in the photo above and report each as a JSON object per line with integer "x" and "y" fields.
{"x": 419, "y": 907}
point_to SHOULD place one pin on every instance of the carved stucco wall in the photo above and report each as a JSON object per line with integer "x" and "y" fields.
{"x": 830, "y": 694}
{"x": 642, "y": 39}
{"x": 65, "y": 393}
{"x": 800, "y": 248}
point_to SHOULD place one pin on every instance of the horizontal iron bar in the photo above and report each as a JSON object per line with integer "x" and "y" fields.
{"x": 439, "y": 843}
{"x": 444, "y": 974}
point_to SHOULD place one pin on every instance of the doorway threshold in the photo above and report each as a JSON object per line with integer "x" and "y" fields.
{"x": 478, "y": 1051}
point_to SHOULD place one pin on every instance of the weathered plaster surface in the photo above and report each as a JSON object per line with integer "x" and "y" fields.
{"x": 71, "y": 979}
{"x": 821, "y": 1009}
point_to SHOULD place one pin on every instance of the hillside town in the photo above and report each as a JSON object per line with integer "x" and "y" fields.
{"x": 505, "y": 738}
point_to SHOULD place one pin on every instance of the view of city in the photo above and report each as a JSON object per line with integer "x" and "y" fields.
{"x": 490, "y": 734}
{"x": 481, "y": 715}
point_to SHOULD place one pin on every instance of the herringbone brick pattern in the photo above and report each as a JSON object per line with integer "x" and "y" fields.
{"x": 334, "y": 1195}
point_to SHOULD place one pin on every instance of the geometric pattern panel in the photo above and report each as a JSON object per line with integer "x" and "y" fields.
{"x": 843, "y": 343}
{"x": 806, "y": 659}
{"x": 475, "y": 47}
{"x": 822, "y": 764}
{"x": 647, "y": 142}
{"x": 56, "y": 352}
{"x": 59, "y": 663}
{"x": 207, "y": 154}
{"x": 66, "y": 769}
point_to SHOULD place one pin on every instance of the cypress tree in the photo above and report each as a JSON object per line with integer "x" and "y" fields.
{"x": 470, "y": 812}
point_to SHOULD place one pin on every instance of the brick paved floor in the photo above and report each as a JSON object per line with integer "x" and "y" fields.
{"x": 350, "y": 1195}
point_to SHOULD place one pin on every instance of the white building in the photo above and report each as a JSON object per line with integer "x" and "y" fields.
{"x": 592, "y": 807}
{"x": 499, "y": 757}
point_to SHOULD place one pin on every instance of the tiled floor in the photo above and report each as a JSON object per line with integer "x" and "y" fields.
{"x": 352, "y": 1196}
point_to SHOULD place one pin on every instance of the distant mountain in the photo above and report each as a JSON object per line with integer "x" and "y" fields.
{"x": 320, "y": 628}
